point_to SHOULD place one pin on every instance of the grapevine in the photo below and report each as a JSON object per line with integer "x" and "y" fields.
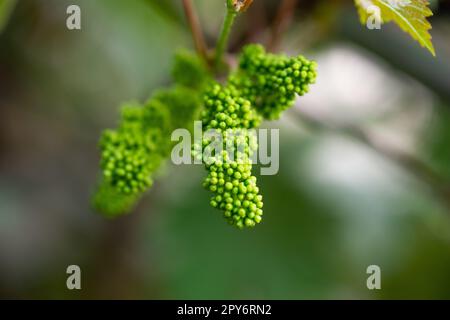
{"x": 261, "y": 88}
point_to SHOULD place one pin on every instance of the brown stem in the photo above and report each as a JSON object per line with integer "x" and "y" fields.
{"x": 282, "y": 20}
{"x": 197, "y": 34}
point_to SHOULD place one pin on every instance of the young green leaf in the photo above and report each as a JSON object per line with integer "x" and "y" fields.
{"x": 410, "y": 15}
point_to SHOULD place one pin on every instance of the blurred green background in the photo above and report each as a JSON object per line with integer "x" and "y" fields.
{"x": 364, "y": 175}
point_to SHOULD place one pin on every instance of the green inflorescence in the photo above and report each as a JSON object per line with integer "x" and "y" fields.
{"x": 230, "y": 172}
{"x": 132, "y": 153}
{"x": 262, "y": 87}
{"x": 271, "y": 82}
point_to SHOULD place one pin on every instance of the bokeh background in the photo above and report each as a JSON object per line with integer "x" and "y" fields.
{"x": 364, "y": 176}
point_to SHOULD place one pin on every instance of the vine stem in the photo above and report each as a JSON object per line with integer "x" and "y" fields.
{"x": 224, "y": 36}
{"x": 197, "y": 34}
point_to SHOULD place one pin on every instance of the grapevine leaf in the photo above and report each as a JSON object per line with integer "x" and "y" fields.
{"x": 410, "y": 15}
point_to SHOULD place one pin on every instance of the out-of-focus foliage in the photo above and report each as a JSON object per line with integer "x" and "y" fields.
{"x": 6, "y": 7}
{"x": 435, "y": 147}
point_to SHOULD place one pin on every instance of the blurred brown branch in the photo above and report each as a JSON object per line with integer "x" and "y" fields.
{"x": 197, "y": 33}
{"x": 282, "y": 20}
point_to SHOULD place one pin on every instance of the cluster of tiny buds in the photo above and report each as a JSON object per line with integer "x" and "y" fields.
{"x": 131, "y": 154}
{"x": 262, "y": 88}
{"x": 225, "y": 109}
{"x": 124, "y": 162}
{"x": 126, "y": 153}
{"x": 236, "y": 193}
{"x": 231, "y": 180}
{"x": 271, "y": 82}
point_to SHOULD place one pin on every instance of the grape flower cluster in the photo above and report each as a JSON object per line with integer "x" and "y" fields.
{"x": 271, "y": 82}
{"x": 263, "y": 87}
{"x": 230, "y": 169}
{"x": 132, "y": 153}
{"x": 129, "y": 155}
